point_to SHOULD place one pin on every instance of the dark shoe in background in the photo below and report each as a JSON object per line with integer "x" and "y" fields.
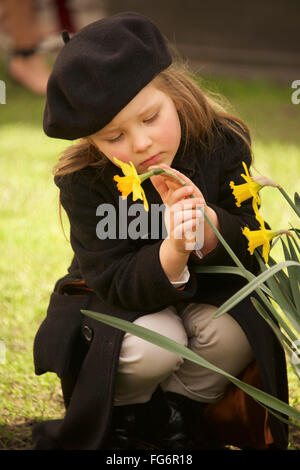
{"x": 168, "y": 421}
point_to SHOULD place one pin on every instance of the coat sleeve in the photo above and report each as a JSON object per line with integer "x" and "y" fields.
{"x": 120, "y": 273}
{"x": 233, "y": 219}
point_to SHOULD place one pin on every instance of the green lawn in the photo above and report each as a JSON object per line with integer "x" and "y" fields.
{"x": 34, "y": 252}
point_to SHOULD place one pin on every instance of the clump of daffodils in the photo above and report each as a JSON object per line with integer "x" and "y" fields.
{"x": 247, "y": 190}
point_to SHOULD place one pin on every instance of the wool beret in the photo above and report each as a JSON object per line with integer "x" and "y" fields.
{"x": 99, "y": 71}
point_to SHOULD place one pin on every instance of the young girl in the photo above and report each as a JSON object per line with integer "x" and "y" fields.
{"x": 114, "y": 86}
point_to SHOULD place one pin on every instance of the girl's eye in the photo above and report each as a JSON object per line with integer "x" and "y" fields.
{"x": 151, "y": 118}
{"x": 115, "y": 139}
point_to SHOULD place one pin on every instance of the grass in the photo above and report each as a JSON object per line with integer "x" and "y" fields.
{"x": 35, "y": 253}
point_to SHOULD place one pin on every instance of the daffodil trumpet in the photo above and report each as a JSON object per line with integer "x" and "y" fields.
{"x": 246, "y": 190}
{"x": 262, "y": 237}
{"x": 251, "y": 187}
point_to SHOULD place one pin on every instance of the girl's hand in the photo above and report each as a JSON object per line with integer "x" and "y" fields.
{"x": 183, "y": 214}
{"x": 166, "y": 185}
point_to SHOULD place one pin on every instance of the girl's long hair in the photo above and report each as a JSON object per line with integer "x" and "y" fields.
{"x": 201, "y": 113}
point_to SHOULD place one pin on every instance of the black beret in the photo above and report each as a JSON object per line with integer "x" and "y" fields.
{"x": 99, "y": 71}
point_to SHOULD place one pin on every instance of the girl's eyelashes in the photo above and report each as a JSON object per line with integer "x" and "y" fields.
{"x": 151, "y": 118}
{"x": 115, "y": 139}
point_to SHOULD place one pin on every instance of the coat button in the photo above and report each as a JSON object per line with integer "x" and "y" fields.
{"x": 87, "y": 333}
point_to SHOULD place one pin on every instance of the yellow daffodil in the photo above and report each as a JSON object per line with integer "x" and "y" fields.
{"x": 130, "y": 183}
{"x": 262, "y": 237}
{"x": 245, "y": 191}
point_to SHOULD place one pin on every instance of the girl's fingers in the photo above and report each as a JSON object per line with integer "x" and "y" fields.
{"x": 173, "y": 183}
{"x": 160, "y": 186}
{"x": 190, "y": 203}
{"x": 176, "y": 216}
{"x": 186, "y": 231}
{"x": 183, "y": 216}
{"x": 182, "y": 192}
{"x": 170, "y": 191}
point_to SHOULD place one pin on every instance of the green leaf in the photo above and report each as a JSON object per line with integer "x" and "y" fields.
{"x": 251, "y": 286}
{"x": 289, "y": 200}
{"x": 282, "y": 278}
{"x": 296, "y": 244}
{"x": 284, "y": 340}
{"x": 227, "y": 270}
{"x": 283, "y": 298}
{"x": 294, "y": 276}
{"x": 284, "y": 303}
{"x": 286, "y": 421}
{"x": 170, "y": 345}
{"x": 297, "y": 200}
{"x": 218, "y": 270}
{"x": 271, "y": 291}
{"x": 297, "y": 232}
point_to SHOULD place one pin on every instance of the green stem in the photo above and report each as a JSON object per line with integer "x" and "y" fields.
{"x": 289, "y": 200}
{"x": 159, "y": 171}
{"x": 229, "y": 250}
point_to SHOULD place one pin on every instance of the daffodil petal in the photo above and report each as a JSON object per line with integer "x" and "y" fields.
{"x": 125, "y": 167}
{"x": 246, "y": 178}
{"x": 136, "y": 191}
{"x": 246, "y": 169}
{"x": 266, "y": 251}
{"x": 134, "y": 172}
{"x": 146, "y": 205}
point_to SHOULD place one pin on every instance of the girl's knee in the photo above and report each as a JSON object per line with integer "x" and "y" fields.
{"x": 221, "y": 341}
{"x": 147, "y": 360}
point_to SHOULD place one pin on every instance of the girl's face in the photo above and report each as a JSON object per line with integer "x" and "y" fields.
{"x": 146, "y": 131}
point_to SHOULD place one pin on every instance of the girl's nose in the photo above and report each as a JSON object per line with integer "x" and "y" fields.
{"x": 141, "y": 142}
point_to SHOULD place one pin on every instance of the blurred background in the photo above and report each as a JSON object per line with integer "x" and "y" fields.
{"x": 249, "y": 52}
{"x": 257, "y": 39}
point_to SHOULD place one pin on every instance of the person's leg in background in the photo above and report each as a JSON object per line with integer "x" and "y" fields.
{"x": 26, "y": 65}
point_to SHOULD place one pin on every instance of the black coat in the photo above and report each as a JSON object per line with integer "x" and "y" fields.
{"x": 125, "y": 279}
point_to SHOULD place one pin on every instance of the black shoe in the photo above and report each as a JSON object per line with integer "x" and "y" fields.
{"x": 123, "y": 428}
{"x": 134, "y": 426}
{"x": 177, "y": 433}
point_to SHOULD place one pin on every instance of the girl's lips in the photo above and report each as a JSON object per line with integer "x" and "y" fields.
{"x": 152, "y": 160}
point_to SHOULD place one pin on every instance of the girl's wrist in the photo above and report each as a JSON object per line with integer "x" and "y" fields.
{"x": 172, "y": 261}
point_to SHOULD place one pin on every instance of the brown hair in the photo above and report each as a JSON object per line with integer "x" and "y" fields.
{"x": 199, "y": 112}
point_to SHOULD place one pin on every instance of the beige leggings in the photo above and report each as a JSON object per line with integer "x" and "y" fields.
{"x": 143, "y": 366}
